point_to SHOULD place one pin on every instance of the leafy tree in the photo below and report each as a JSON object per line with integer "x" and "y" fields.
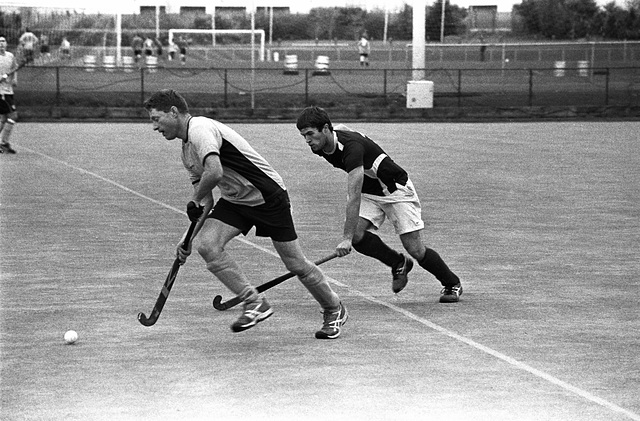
{"x": 453, "y": 20}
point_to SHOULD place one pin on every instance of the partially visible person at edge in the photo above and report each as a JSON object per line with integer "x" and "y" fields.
{"x": 378, "y": 188}
{"x": 252, "y": 195}
{"x": 8, "y": 80}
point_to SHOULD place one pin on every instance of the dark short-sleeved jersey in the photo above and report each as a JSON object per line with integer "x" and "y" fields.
{"x": 353, "y": 150}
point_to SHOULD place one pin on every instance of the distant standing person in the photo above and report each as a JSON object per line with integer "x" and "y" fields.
{"x": 136, "y": 46}
{"x": 8, "y": 113}
{"x": 149, "y": 46}
{"x": 364, "y": 48}
{"x": 158, "y": 45}
{"x": 252, "y": 194}
{"x": 171, "y": 50}
{"x": 45, "y": 52}
{"x": 182, "y": 46}
{"x": 377, "y": 189}
{"x": 28, "y": 42}
{"x": 65, "y": 49}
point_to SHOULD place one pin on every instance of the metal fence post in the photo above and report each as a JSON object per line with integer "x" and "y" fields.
{"x": 141, "y": 85}
{"x": 530, "y": 87}
{"x": 606, "y": 89}
{"x": 58, "y": 86}
{"x": 226, "y": 85}
{"x": 306, "y": 87}
{"x": 385, "y": 84}
{"x": 459, "y": 88}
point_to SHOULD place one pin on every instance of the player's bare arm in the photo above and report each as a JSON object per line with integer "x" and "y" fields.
{"x": 203, "y": 198}
{"x": 354, "y": 197}
{"x": 209, "y": 179}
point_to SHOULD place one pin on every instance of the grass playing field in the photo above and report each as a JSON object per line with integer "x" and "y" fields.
{"x": 540, "y": 220}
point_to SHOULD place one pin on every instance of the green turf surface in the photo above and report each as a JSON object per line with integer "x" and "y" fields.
{"x": 540, "y": 220}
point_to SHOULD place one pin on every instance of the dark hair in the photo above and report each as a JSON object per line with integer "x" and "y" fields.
{"x": 165, "y": 99}
{"x": 314, "y": 117}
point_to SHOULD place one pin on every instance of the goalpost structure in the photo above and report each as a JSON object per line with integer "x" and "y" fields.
{"x": 215, "y": 32}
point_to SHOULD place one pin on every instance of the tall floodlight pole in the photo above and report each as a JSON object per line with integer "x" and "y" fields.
{"x": 386, "y": 22}
{"x": 253, "y": 59}
{"x": 118, "y": 38}
{"x": 418, "y": 42}
{"x": 271, "y": 25}
{"x": 157, "y": 21}
{"x": 442, "y": 23}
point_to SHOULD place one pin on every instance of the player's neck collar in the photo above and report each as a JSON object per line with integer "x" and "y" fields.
{"x": 186, "y": 136}
{"x": 334, "y": 144}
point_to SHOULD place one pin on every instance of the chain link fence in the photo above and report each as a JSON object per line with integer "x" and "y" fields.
{"x": 233, "y": 87}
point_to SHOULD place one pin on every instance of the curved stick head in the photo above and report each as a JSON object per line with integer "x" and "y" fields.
{"x": 145, "y": 321}
{"x": 218, "y": 304}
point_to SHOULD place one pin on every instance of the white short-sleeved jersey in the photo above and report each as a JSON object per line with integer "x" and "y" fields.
{"x": 7, "y": 64}
{"x": 248, "y": 178}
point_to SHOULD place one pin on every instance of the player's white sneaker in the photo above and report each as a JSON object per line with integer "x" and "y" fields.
{"x": 451, "y": 294}
{"x": 253, "y": 314}
{"x": 333, "y": 321}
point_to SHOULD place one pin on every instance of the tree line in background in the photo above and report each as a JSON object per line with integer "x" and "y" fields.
{"x": 536, "y": 19}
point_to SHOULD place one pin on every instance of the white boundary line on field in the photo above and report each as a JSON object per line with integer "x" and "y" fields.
{"x": 509, "y": 360}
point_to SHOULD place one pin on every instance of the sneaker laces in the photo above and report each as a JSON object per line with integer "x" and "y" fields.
{"x": 335, "y": 323}
{"x": 451, "y": 290}
{"x": 400, "y": 269}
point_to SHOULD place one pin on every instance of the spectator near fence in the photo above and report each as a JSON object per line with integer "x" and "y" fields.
{"x": 45, "y": 52}
{"x": 183, "y": 43}
{"x": 136, "y": 46}
{"x": 158, "y": 45}
{"x": 171, "y": 50}
{"x": 364, "y": 48}
{"x": 65, "y": 49}
{"x": 28, "y": 42}
{"x": 149, "y": 46}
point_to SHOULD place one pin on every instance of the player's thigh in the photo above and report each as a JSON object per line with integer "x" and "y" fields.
{"x": 371, "y": 212}
{"x": 213, "y": 237}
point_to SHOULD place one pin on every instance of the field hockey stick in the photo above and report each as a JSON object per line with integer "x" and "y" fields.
{"x": 168, "y": 283}
{"x": 219, "y": 305}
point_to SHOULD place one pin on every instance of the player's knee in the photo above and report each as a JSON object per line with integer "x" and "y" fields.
{"x": 208, "y": 249}
{"x": 310, "y": 276}
{"x": 298, "y": 267}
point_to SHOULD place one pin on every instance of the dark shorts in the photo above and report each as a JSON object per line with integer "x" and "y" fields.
{"x": 8, "y": 106}
{"x": 273, "y": 219}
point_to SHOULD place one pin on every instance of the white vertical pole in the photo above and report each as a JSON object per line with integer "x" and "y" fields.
{"x": 271, "y": 26}
{"x": 118, "y": 38}
{"x": 157, "y": 21}
{"x": 418, "y": 42}
{"x": 253, "y": 59}
{"x": 386, "y": 22}
{"x": 442, "y": 23}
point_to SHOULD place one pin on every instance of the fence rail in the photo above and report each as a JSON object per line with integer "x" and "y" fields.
{"x": 399, "y": 54}
{"x": 93, "y": 85}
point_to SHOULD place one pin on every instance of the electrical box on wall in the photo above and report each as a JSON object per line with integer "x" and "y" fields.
{"x": 420, "y": 94}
